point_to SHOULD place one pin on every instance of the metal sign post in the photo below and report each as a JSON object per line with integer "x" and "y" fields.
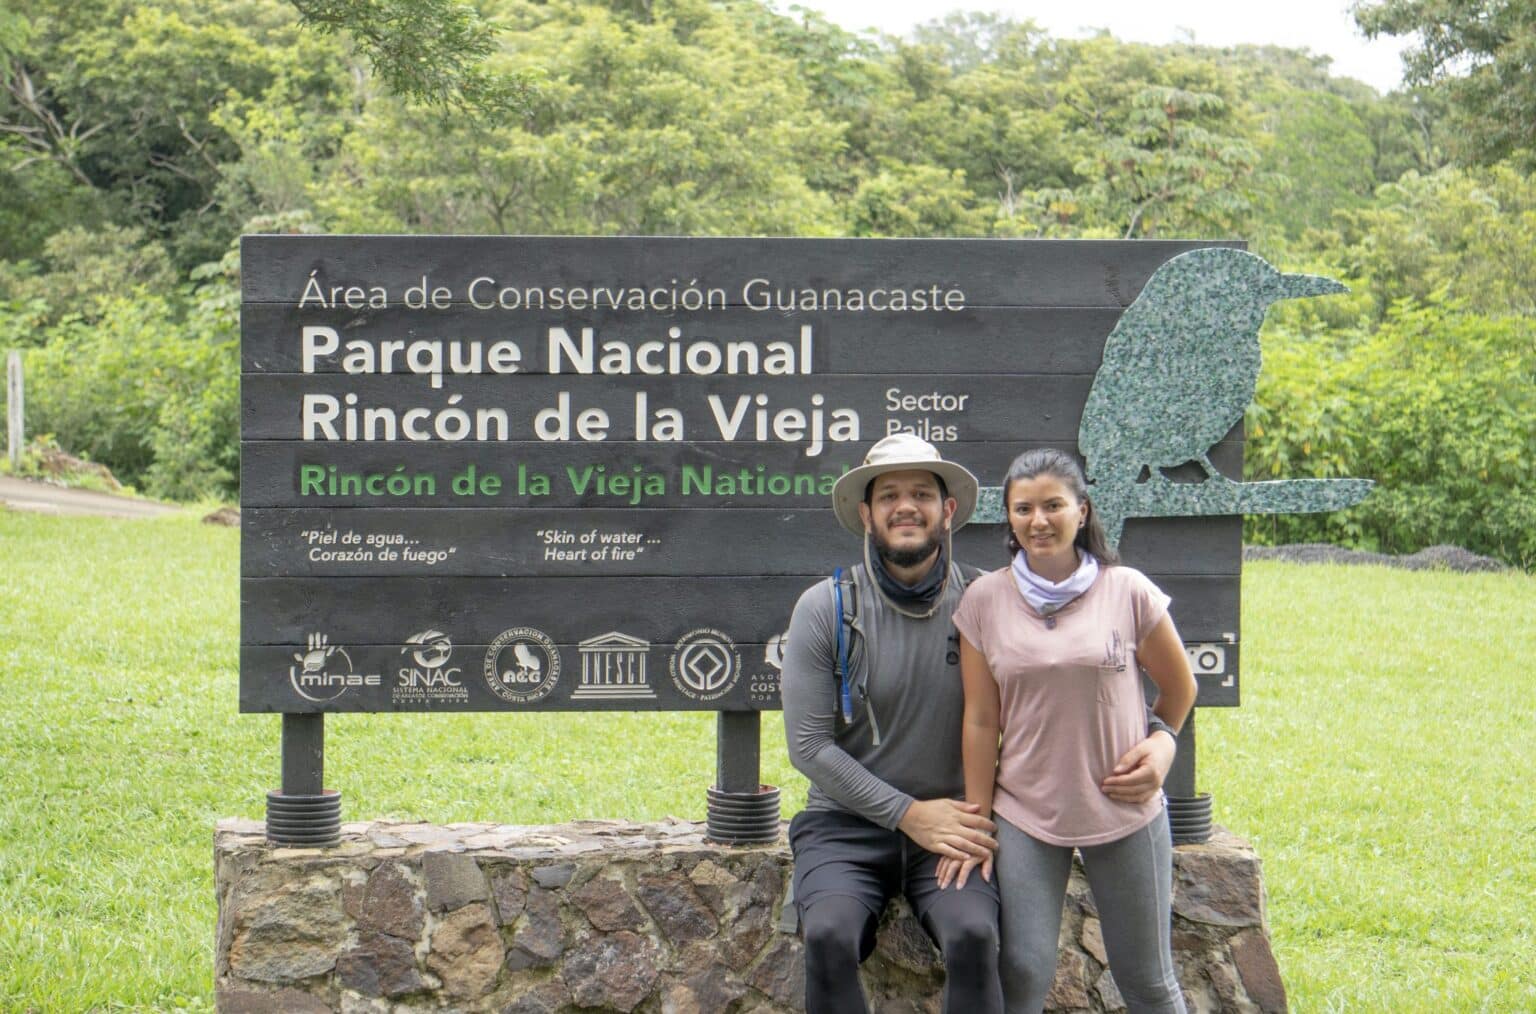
{"x": 304, "y": 812}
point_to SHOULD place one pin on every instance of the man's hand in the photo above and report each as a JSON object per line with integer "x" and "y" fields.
{"x": 1139, "y": 774}
{"x": 949, "y": 828}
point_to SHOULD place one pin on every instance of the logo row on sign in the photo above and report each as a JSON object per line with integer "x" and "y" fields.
{"x": 522, "y": 665}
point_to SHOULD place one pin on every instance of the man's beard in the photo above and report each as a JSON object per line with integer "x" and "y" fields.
{"x": 905, "y": 557}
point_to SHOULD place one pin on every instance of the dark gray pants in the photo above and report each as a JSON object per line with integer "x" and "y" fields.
{"x": 1132, "y": 884}
{"x": 846, "y": 869}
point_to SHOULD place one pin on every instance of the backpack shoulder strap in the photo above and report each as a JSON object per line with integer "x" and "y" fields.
{"x": 969, "y": 573}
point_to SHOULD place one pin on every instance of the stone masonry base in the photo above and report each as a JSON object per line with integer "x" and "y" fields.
{"x": 614, "y": 916}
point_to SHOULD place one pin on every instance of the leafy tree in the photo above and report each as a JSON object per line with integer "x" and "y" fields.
{"x": 1467, "y": 232}
{"x": 1404, "y": 126}
{"x": 81, "y": 270}
{"x": 991, "y": 121}
{"x": 676, "y": 121}
{"x": 845, "y": 78}
{"x": 1319, "y": 154}
{"x": 1054, "y": 137}
{"x": 1480, "y": 53}
{"x": 914, "y": 200}
{"x": 1408, "y": 129}
{"x": 38, "y": 198}
{"x": 1172, "y": 168}
{"x": 967, "y": 40}
{"x": 138, "y": 138}
{"x": 1076, "y": 137}
{"x": 137, "y": 385}
{"x": 125, "y": 99}
{"x": 1434, "y": 404}
{"x": 432, "y": 52}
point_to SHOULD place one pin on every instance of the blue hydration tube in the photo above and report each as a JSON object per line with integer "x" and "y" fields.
{"x": 844, "y": 689}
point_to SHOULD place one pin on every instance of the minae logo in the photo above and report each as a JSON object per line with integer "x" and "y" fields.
{"x": 325, "y": 671}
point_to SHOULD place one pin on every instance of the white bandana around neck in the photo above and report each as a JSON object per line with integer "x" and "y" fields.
{"x": 1047, "y": 597}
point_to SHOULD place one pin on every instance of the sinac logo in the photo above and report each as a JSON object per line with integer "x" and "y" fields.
{"x": 431, "y": 678}
{"x": 433, "y": 648}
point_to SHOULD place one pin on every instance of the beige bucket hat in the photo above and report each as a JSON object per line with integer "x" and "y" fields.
{"x": 898, "y": 453}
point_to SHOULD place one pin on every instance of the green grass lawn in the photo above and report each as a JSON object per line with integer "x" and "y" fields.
{"x": 1378, "y": 763}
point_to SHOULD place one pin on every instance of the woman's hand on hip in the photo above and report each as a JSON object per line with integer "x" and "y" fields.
{"x": 1138, "y": 776}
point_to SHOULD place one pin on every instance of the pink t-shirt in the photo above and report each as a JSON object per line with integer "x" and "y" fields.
{"x": 1071, "y": 700}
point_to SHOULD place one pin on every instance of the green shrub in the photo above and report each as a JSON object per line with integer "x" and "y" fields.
{"x": 146, "y": 390}
{"x": 81, "y": 270}
{"x": 1438, "y": 405}
{"x": 196, "y": 439}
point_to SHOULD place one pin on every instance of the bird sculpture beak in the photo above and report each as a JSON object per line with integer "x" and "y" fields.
{"x": 1301, "y": 286}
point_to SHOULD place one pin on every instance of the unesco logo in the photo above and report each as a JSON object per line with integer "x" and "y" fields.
{"x": 522, "y": 665}
{"x": 705, "y": 664}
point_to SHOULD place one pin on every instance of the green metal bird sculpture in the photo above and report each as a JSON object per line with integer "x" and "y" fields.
{"x": 1180, "y": 367}
{"x": 1178, "y": 372}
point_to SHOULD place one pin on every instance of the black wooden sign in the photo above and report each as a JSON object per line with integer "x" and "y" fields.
{"x": 511, "y": 473}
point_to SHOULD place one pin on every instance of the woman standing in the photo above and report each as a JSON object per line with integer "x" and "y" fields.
{"x": 1055, "y": 737}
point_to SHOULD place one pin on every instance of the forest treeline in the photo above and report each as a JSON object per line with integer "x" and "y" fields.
{"x": 139, "y": 140}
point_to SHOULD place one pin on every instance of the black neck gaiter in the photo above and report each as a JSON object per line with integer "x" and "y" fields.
{"x": 923, "y": 593}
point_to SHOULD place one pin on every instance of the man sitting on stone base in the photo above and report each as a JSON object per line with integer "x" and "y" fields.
{"x": 872, "y": 711}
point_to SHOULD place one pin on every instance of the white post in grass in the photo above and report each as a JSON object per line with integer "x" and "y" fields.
{"x": 14, "y": 424}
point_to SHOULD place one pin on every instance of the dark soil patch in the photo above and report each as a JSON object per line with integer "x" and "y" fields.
{"x": 1452, "y": 558}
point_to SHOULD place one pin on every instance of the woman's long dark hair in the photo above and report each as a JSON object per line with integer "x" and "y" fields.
{"x": 1060, "y": 465}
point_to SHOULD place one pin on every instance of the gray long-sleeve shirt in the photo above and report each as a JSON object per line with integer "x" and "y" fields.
{"x": 904, "y": 741}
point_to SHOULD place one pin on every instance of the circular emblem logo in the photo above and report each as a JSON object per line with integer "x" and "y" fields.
{"x": 705, "y": 664}
{"x": 522, "y": 665}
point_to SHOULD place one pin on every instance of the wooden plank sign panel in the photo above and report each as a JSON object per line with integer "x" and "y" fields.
{"x": 295, "y": 473}
{"x": 612, "y": 542}
{"x": 559, "y": 473}
{"x": 756, "y": 610}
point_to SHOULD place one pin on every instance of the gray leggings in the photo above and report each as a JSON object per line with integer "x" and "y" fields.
{"x": 1132, "y": 882}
